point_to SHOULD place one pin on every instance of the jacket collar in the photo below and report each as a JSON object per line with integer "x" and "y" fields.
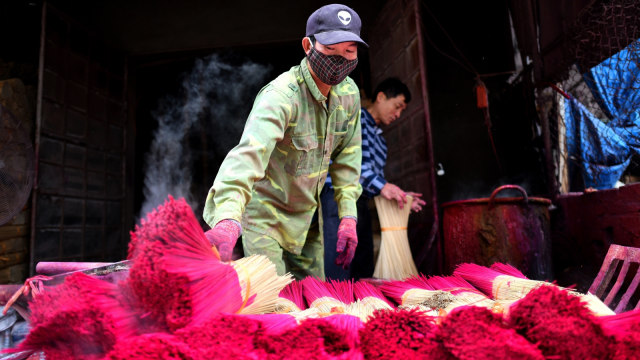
{"x": 311, "y": 84}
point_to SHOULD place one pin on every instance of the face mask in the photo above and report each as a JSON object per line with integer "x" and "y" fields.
{"x": 330, "y": 69}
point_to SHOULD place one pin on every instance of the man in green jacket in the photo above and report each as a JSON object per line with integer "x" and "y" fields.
{"x": 303, "y": 124}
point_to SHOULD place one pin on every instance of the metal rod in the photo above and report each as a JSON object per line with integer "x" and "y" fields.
{"x": 34, "y": 191}
{"x": 56, "y": 267}
{"x": 427, "y": 118}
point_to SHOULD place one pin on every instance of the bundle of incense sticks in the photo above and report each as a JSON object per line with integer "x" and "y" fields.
{"x": 274, "y": 323}
{"x": 259, "y": 280}
{"x": 495, "y": 284}
{"x": 464, "y": 293}
{"x": 473, "y": 332}
{"x": 624, "y": 328}
{"x": 371, "y": 296}
{"x": 364, "y": 311}
{"x": 342, "y": 289}
{"x": 175, "y": 275}
{"x": 351, "y": 326}
{"x": 560, "y": 324}
{"x": 401, "y": 334}
{"x": 508, "y": 285}
{"x": 507, "y": 269}
{"x": 82, "y": 318}
{"x": 290, "y": 298}
{"x": 322, "y": 295}
{"x": 414, "y": 291}
{"x": 394, "y": 259}
{"x": 308, "y": 313}
{"x": 594, "y": 304}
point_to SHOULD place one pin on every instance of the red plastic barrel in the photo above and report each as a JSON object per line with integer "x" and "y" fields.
{"x": 511, "y": 230}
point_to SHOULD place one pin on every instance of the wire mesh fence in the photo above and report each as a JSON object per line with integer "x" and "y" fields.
{"x": 593, "y": 107}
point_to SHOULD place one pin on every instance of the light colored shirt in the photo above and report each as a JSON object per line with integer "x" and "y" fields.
{"x": 271, "y": 181}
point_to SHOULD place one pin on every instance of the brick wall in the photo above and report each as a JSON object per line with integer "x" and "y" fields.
{"x": 80, "y": 191}
{"x": 14, "y": 235}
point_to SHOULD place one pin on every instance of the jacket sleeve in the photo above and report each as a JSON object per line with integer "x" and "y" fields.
{"x": 345, "y": 167}
{"x": 246, "y": 163}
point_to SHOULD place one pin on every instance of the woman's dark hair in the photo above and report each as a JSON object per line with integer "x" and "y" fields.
{"x": 392, "y": 87}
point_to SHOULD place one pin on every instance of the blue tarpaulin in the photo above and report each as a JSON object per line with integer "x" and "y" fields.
{"x": 603, "y": 150}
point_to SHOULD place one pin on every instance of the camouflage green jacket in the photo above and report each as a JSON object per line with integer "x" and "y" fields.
{"x": 271, "y": 181}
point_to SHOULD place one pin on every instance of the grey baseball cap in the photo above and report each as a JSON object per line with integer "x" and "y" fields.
{"x": 335, "y": 23}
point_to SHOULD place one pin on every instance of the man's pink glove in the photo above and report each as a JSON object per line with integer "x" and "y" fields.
{"x": 347, "y": 242}
{"x": 224, "y": 236}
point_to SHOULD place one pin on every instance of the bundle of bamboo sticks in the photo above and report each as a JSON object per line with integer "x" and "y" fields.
{"x": 394, "y": 259}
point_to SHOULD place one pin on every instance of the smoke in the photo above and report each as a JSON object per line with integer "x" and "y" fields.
{"x": 215, "y": 96}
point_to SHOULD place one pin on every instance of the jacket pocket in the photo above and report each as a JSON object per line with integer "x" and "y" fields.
{"x": 300, "y": 159}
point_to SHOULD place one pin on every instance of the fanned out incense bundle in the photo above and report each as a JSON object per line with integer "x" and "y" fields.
{"x": 291, "y": 298}
{"x": 495, "y": 284}
{"x": 342, "y": 290}
{"x": 509, "y": 288}
{"x": 464, "y": 293}
{"x": 415, "y": 292}
{"x": 507, "y": 269}
{"x": 371, "y": 296}
{"x": 177, "y": 277}
{"x": 369, "y": 299}
{"x": 322, "y": 296}
{"x": 394, "y": 259}
{"x": 259, "y": 280}
{"x": 180, "y": 278}
{"x": 593, "y": 302}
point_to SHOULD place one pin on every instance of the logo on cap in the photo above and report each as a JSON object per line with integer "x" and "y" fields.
{"x": 344, "y": 17}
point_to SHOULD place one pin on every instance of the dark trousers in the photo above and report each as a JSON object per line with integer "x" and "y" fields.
{"x": 363, "y": 263}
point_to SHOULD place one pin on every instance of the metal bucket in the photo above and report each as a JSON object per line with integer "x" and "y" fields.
{"x": 512, "y": 230}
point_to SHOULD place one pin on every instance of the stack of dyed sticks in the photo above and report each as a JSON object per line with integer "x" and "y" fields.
{"x": 181, "y": 302}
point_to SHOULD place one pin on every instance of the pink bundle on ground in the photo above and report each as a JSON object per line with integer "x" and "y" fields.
{"x": 274, "y": 323}
{"x": 223, "y": 337}
{"x": 153, "y": 346}
{"x": 83, "y": 317}
{"x": 350, "y": 325}
{"x": 475, "y": 333}
{"x": 560, "y": 324}
{"x": 401, "y": 334}
{"x": 176, "y": 276}
{"x": 313, "y": 339}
